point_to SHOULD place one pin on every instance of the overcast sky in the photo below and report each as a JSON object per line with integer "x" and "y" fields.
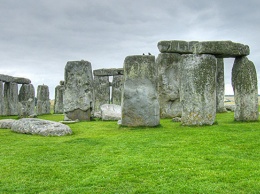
{"x": 38, "y": 37}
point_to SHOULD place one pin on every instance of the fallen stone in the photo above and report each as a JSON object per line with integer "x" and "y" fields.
{"x": 198, "y": 89}
{"x": 221, "y": 49}
{"x": 140, "y": 105}
{"x": 176, "y": 46}
{"x": 21, "y": 80}
{"x": 6, "y": 78}
{"x": 40, "y": 127}
{"x": 110, "y": 112}
{"x": 244, "y": 82}
{"x": 108, "y": 72}
{"x": 229, "y": 107}
{"x": 6, "y": 123}
{"x": 176, "y": 119}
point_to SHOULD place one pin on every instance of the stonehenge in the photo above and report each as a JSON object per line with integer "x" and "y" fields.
{"x": 58, "y": 101}
{"x": 43, "y": 101}
{"x": 26, "y": 100}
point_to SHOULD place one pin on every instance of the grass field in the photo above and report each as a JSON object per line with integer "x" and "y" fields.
{"x": 100, "y": 157}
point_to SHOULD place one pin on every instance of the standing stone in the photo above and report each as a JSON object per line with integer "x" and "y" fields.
{"x": 169, "y": 84}
{"x": 220, "y": 86}
{"x": 244, "y": 82}
{"x": 11, "y": 98}
{"x": 101, "y": 92}
{"x": 58, "y": 101}
{"x": 117, "y": 87}
{"x": 198, "y": 89}
{"x": 43, "y": 101}
{"x": 78, "y": 94}
{"x": 140, "y": 105}
{"x": 2, "y": 102}
{"x": 26, "y": 100}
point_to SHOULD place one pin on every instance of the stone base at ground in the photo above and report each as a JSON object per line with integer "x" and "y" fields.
{"x": 78, "y": 114}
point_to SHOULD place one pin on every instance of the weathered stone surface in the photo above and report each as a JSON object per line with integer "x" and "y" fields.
{"x": 6, "y": 123}
{"x": 21, "y": 80}
{"x": 117, "y": 87}
{"x": 244, "y": 82}
{"x": 40, "y": 127}
{"x": 58, "y": 102}
{"x": 26, "y": 98}
{"x": 230, "y": 107}
{"x": 11, "y": 98}
{"x": 198, "y": 89}
{"x": 176, "y": 46}
{"x": 62, "y": 83}
{"x": 222, "y": 49}
{"x": 43, "y": 101}
{"x": 6, "y": 78}
{"x": 110, "y": 112}
{"x": 108, "y": 72}
{"x": 2, "y": 100}
{"x": 78, "y": 93}
{"x": 101, "y": 91}
{"x": 220, "y": 86}
{"x": 169, "y": 84}
{"x": 140, "y": 105}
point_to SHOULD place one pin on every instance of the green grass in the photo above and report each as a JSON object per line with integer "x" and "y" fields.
{"x": 100, "y": 157}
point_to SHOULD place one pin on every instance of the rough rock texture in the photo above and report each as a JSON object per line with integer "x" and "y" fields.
{"x": 176, "y": 46}
{"x": 140, "y": 105}
{"x": 2, "y": 101}
{"x": 11, "y": 98}
{"x": 6, "y": 78}
{"x": 117, "y": 87}
{"x": 108, "y": 72}
{"x": 244, "y": 82}
{"x": 6, "y": 123}
{"x": 43, "y": 101}
{"x": 78, "y": 93}
{"x": 221, "y": 49}
{"x": 110, "y": 112}
{"x": 101, "y": 91}
{"x": 62, "y": 83}
{"x": 26, "y": 100}
{"x": 40, "y": 127}
{"x": 58, "y": 102}
{"x": 230, "y": 107}
{"x": 169, "y": 84}
{"x": 21, "y": 80}
{"x": 220, "y": 86}
{"x": 198, "y": 89}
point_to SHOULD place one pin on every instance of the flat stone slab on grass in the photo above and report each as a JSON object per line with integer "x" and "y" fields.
{"x": 40, "y": 127}
{"x": 6, "y": 123}
{"x": 176, "y": 46}
{"x": 223, "y": 49}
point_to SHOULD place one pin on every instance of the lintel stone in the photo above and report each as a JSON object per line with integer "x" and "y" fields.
{"x": 176, "y": 46}
{"x": 108, "y": 72}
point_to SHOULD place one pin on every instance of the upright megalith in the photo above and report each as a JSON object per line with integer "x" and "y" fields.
{"x": 43, "y": 100}
{"x": 169, "y": 84}
{"x": 2, "y": 101}
{"x": 117, "y": 87}
{"x": 220, "y": 86}
{"x": 58, "y": 101}
{"x": 244, "y": 82}
{"x": 140, "y": 105}
{"x": 78, "y": 93}
{"x": 26, "y": 100}
{"x": 11, "y": 98}
{"x": 198, "y": 89}
{"x": 101, "y": 92}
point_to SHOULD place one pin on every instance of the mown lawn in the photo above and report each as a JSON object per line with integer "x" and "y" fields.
{"x": 100, "y": 157}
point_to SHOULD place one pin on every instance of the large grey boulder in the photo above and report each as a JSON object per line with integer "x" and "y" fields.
{"x": 117, "y": 87}
{"x": 58, "y": 102}
{"x": 222, "y": 49}
{"x": 101, "y": 91}
{"x": 140, "y": 105}
{"x": 108, "y": 72}
{"x": 2, "y": 101}
{"x": 26, "y": 100}
{"x": 11, "y": 98}
{"x": 244, "y": 82}
{"x": 110, "y": 112}
{"x": 40, "y": 127}
{"x": 21, "y": 80}
{"x": 198, "y": 89}
{"x": 176, "y": 46}
{"x": 169, "y": 84}
{"x": 6, "y": 123}
{"x": 220, "y": 86}
{"x": 43, "y": 100}
{"x": 78, "y": 93}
